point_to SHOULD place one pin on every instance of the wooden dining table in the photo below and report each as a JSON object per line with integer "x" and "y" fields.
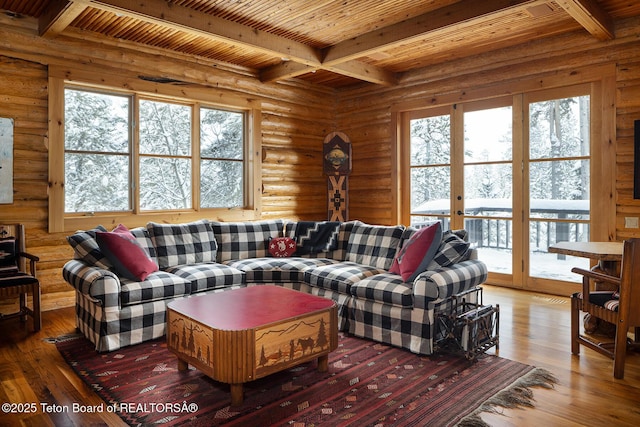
{"x": 607, "y": 254}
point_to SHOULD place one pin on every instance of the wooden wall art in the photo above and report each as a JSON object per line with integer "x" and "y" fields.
{"x": 337, "y": 167}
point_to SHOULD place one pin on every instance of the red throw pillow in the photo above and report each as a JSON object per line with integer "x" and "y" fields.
{"x": 123, "y": 231}
{"x": 417, "y": 252}
{"x": 282, "y": 247}
{"x": 125, "y": 253}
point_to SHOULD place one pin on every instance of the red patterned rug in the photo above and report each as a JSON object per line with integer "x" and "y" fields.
{"x": 368, "y": 384}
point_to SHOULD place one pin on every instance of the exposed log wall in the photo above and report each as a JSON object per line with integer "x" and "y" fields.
{"x": 295, "y": 119}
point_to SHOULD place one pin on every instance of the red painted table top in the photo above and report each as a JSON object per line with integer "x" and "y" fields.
{"x": 249, "y": 308}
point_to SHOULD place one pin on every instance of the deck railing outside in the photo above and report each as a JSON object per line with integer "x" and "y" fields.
{"x": 489, "y": 226}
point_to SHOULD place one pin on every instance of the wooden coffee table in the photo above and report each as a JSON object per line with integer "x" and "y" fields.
{"x": 244, "y": 334}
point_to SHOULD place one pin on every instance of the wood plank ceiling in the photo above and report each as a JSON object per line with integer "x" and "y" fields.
{"x": 335, "y": 43}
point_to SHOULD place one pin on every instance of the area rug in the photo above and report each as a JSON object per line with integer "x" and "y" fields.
{"x": 367, "y": 384}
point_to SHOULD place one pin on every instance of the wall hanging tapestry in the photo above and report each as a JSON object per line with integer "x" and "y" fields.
{"x": 337, "y": 167}
{"x": 367, "y": 384}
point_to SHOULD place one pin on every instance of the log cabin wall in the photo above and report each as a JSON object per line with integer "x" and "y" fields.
{"x": 366, "y": 114}
{"x": 295, "y": 119}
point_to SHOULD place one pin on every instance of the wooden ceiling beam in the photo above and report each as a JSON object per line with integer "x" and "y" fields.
{"x": 456, "y": 15}
{"x": 58, "y": 15}
{"x": 591, "y": 16}
{"x": 165, "y": 14}
{"x": 342, "y": 58}
{"x": 285, "y": 70}
{"x": 367, "y": 72}
{"x": 162, "y": 13}
{"x": 355, "y": 69}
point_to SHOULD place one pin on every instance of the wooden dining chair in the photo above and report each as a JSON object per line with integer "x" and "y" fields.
{"x": 620, "y": 307}
{"x": 15, "y": 280}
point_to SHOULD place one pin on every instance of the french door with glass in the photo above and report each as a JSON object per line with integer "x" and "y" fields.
{"x": 513, "y": 171}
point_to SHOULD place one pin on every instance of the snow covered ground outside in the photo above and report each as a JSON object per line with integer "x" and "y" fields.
{"x": 543, "y": 264}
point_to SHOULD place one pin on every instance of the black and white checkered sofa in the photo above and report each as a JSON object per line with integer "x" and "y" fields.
{"x": 114, "y": 312}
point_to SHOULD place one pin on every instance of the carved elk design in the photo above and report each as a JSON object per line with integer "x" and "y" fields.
{"x": 306, "y": 344}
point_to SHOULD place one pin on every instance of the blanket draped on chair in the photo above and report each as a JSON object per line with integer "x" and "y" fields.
{"x": 316, "y": 237}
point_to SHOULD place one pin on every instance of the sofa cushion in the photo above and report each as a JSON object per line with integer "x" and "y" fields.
{"x": 243, "y": 240}
{"x": 157, "y": 286}
{"x": 127, "y": 256}
{"x": 452, "y": 250}
{"x": 417, "y": 252}
{"x": 144, "y": 240}
{"x": 606, "y": 299}
{"x": 182, "y": 244}
{"x": 374, "y": 245}
{"x": 385, "y": 288}
{"x": 339, "y": 277}
{"x": 85, "y": 248}
{"x": 207, "y": 276}
{"x": 277, "y": 270}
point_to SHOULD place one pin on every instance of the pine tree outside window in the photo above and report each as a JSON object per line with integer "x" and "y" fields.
{"x": 128, "y": 153}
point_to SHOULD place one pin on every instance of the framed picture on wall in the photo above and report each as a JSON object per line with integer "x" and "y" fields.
{"x": 6, "y": 160}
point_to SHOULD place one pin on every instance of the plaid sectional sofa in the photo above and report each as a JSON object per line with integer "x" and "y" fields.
{"x": 208, "y": 256}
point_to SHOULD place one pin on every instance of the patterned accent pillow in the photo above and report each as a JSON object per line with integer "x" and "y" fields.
{"x": 607, "y": 299}
{"x": 85, "y": 248}
{"x": 282, "y": 247}
{"x": 612, "y": 305}
{"x": 8, "y": 262}
{"x": 183, "y": 244}
{"x": 461, "y": 233}
{"x": 374, "y": 245}
{"x": 452, "y": 250}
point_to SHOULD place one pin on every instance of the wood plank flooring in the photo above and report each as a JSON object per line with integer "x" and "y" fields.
{"x": 534, "y": 329}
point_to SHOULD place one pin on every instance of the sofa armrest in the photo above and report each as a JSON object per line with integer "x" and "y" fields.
{"x": 437, "y": 285}
{"x": 98, "y": 284}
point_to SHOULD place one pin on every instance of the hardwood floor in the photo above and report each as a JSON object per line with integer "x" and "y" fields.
{"x": 534, "y": 329}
